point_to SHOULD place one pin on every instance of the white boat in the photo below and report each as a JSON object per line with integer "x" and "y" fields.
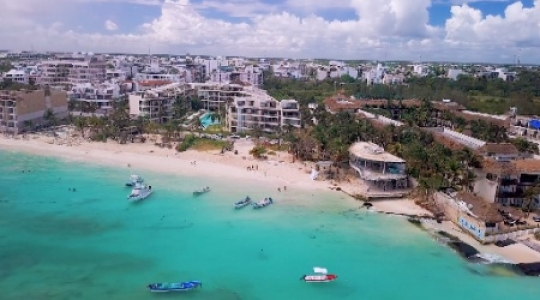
{"x": 242, "y": 203}
{"x": 140, "y": 192}
{"x": 201, "y": 191}
{"x": 134, "y": 179}
{"x": 321, "y": 275}
{"x": 263, "y": 203}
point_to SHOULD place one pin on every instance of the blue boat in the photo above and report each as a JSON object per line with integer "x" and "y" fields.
{"x": 174, "y": 287}
{"x": 242, "y": 203}
{"x": 263, "y": 203}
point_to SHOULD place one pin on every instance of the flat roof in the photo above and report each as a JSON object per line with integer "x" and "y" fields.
{"x": 373, "y": 152}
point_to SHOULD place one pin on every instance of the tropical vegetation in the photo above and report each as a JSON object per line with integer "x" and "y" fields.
{"x": 493, "y": 96}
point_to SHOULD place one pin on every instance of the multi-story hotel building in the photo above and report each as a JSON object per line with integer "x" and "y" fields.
{"x": 72, "y": 71}
{"x": 22, "y": 110}
{"x": 156, "y": 104}
{"x": 254, "y": 107}
{"x": 94, "y": 97}
{"x": 215, "y": 96}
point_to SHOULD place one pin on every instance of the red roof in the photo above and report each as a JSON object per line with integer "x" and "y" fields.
{"x": 154, "y": 82}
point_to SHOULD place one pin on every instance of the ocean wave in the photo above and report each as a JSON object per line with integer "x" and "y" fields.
{"x": 491, "y": 258}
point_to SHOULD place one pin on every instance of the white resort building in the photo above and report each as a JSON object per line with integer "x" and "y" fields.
{"x": 384, "y": 174}
{"x": 72, "y": 70}
{"x": 97, "y": 98}
{"x": 155, "y": 104}
{"x": 256, "y": 108}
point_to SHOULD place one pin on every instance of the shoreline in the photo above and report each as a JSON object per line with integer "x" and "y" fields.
{"x": 280, "y": 171}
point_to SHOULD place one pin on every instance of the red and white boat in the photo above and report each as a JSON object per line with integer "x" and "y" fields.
{"x": 321, "y": 275}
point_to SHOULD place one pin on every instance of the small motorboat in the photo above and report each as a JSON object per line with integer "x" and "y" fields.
{"x": 174, "y": 287}
{"x": 263, "y": 203}
{"x": 321, "y": 275}
{"x": 134, "y": 179}
{"x": 243, "y": 203}
{"x": 201, "y": 191}
{"x": 140, "y": 192}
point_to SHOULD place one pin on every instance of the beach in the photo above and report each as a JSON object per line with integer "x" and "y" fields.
{"x": 279, "y": 172}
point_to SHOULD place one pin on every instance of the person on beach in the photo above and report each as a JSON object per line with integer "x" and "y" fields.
{"x": 279, "y": 189}
{"x": 285, "y": 188}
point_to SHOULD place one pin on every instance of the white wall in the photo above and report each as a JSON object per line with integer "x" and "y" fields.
{"x": 134, "y": 105}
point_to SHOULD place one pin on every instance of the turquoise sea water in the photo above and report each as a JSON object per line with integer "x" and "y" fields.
{"x": 93, "y": 244}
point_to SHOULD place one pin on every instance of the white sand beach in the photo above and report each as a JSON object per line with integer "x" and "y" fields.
{"x": 278, "y": 171}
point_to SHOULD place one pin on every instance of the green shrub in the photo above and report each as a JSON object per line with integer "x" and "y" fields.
{"x": 188, "y": 141}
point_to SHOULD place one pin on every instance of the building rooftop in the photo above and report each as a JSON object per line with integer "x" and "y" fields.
{"x": 502, "y": 148}
{"x": 483, "y": 210}
{"x": 154, "y": 82}
{"x": 373, "y": 152}
{"x": 490, "y": 165}
{"x": 513, "y": 167}
{"x": 527, "y": 165}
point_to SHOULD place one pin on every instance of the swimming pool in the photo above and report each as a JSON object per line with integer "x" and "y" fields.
{"x": 206, "y": 120}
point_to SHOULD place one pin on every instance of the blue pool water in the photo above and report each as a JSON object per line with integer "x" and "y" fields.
{"x": 206, "y": 120}
{"x": 93, "y": 244}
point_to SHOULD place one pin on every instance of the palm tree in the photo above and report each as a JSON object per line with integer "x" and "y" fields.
{"x": 257, "y": 132}
{"x": 49, "y": 117}
{"x": 80, "y": 123}
{"x": 28, "y": 125}
{"x": 529, "y": 197}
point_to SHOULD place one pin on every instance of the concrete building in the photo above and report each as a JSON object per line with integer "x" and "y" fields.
{"x": 23, "y": 110}
{"x": 384, "y": 173}
{"x": 477, "y": 217}
{"x": 214, "y": 96}
{"x": 254, "y": 107}
{"x": 18, "y": 76}
{"x": 95, "y": 97}
{"x": 156, "y": 104}
{"x": 72, "y": 71}
{"x": 506, "y": 182}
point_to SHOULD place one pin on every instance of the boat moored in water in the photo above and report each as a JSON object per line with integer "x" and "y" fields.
{"x": 174, "y": 287}
{"x": 134, "y": 180}
{"x": 201, "y": 191}
{"x": 140, "y": 192}
{"x": 263, "y": 203}
{"x": 242, "y": 203}
{"x": 320, "y": 275}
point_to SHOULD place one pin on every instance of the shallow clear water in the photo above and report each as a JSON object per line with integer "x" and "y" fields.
{"x": 93, "y": 244}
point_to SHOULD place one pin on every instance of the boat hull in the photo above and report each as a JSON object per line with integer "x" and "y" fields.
{"x": 319, "y": 278}
{"x": 140, "y": 198}
{"x": 263, "y": 203}
{"x": 239, "y": 206}
{"x": 175, "y": 287}
{"x": 243, "y": 203}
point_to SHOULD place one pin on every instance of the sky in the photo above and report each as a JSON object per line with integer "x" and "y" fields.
{"x": 419, "y": 30}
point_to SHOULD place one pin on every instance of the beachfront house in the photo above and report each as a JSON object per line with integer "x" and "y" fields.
{"x": 478, "y": 217}
{"x": 506, "y": 182}
{"x": 384, "y": 174}
{"x": 23, "y": 110}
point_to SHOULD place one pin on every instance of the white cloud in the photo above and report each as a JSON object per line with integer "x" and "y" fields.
{"x": 110, "y": 25}
{"x": 397, "y": 29}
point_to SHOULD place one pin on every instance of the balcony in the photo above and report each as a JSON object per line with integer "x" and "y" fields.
{"x": 377, "y": 171}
